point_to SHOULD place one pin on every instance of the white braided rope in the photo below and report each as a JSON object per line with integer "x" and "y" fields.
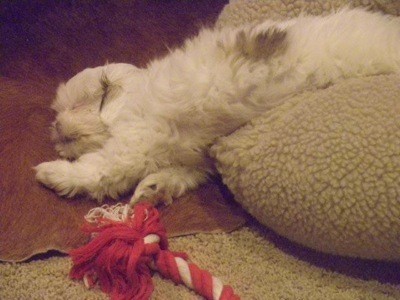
{"x": 217, "y": 288}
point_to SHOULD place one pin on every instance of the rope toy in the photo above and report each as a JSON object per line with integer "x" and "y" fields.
{"x": 126, "y": 245}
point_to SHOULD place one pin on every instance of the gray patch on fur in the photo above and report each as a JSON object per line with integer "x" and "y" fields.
{"x": 261, "y": 45}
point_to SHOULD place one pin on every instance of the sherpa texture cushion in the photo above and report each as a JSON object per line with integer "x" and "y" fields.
{"x": 324, "y": 168}
{"x": 240, "y": 12}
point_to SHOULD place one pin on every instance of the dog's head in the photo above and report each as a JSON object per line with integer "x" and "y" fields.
{"x": 86, "y": 107}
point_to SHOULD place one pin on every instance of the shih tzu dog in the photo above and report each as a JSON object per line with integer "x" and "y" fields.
{"x": 119, "y": 127}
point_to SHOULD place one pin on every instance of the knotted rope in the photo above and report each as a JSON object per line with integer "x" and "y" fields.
{"x": 126, "y": 245}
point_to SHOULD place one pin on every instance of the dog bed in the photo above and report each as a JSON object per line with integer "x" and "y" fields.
{"x": 324, "y": 168}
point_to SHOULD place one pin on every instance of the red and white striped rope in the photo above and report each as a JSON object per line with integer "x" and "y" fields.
{"x": 169, "y": 264}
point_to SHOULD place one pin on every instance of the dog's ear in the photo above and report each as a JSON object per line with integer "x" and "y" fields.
{"x": 109, "y": 90}
{"x": 110, "y": 105}
{"x": 257, "y": 43}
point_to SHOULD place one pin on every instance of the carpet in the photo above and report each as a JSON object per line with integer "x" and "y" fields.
{"x": 255, "y": 261}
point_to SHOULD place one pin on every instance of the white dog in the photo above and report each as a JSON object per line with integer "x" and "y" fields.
{"x": 122, "y": 127}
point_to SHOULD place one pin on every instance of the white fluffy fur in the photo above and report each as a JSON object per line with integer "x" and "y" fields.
{"x": 157, "y": 124}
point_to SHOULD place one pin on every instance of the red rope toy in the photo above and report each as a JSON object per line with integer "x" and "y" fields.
{"x": 126, "y": 245}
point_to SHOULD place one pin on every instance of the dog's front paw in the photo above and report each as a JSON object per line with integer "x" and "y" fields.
{"x": 57, "y": 176}
{"x": 153, "y": 190}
